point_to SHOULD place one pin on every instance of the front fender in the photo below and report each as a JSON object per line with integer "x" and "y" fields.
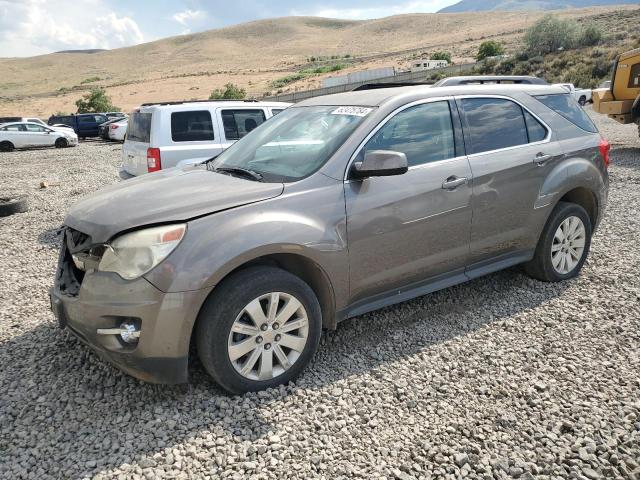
{"x": 310, "y": 225}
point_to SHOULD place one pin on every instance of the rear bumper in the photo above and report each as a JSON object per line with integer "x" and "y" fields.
{"x": 165, "y": 319}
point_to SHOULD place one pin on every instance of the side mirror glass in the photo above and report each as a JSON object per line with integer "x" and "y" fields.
{"x": 380, "y": 163}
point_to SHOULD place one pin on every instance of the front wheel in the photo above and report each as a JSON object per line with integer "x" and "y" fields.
{"x": 563, "y": 246}
{"x": 582, "y": 101}
{"x": 61, "y": 143}
{"x": 259, "y": 329}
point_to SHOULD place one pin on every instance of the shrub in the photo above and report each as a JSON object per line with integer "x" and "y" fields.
{"x": 590, "y": 35}
{"x": 230, "y": 92}
{"x": 505, "y": 67}
{"x": 489, "y": 48}
{"x": 90, "y": 80}
{"x": 441, "y": 56}
{"x": 95, "y": 101}
{"x": 550, "y": 34}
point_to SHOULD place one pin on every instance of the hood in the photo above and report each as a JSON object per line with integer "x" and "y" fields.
{"x": 171, "y": 195}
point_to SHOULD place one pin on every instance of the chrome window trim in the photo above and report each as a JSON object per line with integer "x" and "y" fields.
{"x": 384, "y": 122}
{"x": 546, "y": 140}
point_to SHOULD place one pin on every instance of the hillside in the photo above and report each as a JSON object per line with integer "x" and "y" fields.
{"x": 489, "y": 5}
{"x": 255, "y": 54}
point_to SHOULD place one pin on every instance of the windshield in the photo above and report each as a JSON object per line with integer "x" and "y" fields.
{"x": 293, "y": 144}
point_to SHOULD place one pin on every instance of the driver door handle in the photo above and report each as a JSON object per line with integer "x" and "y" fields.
{"x": 453, "y": 182}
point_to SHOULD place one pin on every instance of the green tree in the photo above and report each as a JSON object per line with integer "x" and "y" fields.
{"x": 441, "y": 56}
{"x": 489, "y": 48}
{"x": 230, "y": 92}
{"x": 95, "y": 101}
{"x": 550, "y": 34}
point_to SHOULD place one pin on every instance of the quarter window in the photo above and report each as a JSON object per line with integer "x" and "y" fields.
{"x": 424, "y": 133}
{"x": 237, "y": 123}
{"x": 564, "y": 104}
{"x": 192, "y": 126}
{"x": 494, "y": 123}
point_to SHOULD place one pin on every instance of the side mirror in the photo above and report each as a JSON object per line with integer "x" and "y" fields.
{"x": 380, "y": 163}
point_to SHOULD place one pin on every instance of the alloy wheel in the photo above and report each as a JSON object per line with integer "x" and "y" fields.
{"x": 268, "y": 336}
{"x": 568, "y": 244}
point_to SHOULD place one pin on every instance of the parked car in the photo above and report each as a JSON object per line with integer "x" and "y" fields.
{"x": 118, "y": 130}
{"x": 163, "y": 135}
{"x": 28, "y": 134}
{"x": 338, "y": 206}
{"x": 84, "y": 124}
{"x": 115, "y": 114}
{"x": 582, "y": 95}
{"x": 103, "y": 129}
{"x": 33, "y": 120}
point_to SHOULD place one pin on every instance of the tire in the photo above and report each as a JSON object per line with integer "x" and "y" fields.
{"x": 61, "y": 143}
{"x": 582, "y": 101}
{"x": 6, "y": 147}
{"x": 542, "y": 267}
{"x": 225, "y": 308}
{"x": 9, "y": 206}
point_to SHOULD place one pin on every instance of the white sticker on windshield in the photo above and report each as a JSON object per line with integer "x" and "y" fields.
{"x": 355, "y": 111}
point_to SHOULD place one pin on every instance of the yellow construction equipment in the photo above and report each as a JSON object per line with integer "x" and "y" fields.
{"x": 621, "y": 101}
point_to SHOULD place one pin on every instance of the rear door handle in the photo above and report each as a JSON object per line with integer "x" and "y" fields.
{"x": 542, "y": 158}
{"x": 453, "y": 182}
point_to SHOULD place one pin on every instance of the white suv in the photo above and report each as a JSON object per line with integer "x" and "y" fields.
{"x": 165, "y": 135}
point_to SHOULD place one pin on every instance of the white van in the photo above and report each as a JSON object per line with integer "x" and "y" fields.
{"x": 164, "y": 135}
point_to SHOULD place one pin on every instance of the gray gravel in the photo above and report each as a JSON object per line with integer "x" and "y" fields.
{"x": 502, "y": 377}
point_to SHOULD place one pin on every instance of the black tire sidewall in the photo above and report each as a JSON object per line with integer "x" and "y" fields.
{"x": 61, "y": 143}
{"x": 14, "y": 205}
{"x": 223, "y": 306}
{"x": 560, "y": 214}
{"x": 6, "y": 146}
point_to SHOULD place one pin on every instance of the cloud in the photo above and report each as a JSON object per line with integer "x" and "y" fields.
{"x": 30, "y": 27}
{"x": 375, "y": 12}
{"x": 188, "y": 17}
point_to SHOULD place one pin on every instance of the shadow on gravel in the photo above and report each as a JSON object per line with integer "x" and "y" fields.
{"x": 50, "y": 238}
{"x": 79, "y": 415}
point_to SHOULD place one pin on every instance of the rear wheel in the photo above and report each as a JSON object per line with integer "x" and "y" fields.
{"x": 563, "y": 246}
{"x": 6, "y": 146}
{"x": 259, "y": 329}
{"x": 61, "y": 143}
{"x": 582, "y": 101}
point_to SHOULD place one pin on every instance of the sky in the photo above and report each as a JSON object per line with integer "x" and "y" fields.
{"x": 36, "y": 27}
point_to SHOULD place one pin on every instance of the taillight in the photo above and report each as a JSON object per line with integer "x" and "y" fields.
{"x": 153, "y": 160}
{"x": 604, "y": 147}
{"x": 113, "y": 127}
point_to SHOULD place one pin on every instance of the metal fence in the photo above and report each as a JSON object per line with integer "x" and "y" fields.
{"x": 403, "y": 77}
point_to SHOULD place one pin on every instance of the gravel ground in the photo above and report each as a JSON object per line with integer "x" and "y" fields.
{"x": 502, "y": 377}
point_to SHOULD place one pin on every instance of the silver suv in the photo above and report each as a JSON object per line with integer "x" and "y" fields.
{"x": 338, "y": 206}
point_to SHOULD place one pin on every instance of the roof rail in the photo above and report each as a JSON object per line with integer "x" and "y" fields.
{"x": 374, "y": 86}
{"x": 490, "y": 79}
{"x": 180, "y": 102}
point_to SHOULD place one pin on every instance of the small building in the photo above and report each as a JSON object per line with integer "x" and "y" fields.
{"x": 420, "y": 65}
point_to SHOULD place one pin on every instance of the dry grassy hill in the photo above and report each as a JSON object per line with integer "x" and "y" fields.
{"x": 251, "y": 55}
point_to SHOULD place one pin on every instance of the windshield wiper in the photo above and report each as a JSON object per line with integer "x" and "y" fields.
{"x": 244, "y": 172}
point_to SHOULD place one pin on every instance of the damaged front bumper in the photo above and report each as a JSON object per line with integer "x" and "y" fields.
{"x": 93, "y": 304}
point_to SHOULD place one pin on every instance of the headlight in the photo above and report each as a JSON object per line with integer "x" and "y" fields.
{"x": 134, "y": 254}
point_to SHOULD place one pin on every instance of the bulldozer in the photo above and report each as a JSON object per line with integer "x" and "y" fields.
{"x": 621, "y": 101}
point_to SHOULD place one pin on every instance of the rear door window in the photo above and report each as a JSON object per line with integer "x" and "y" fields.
{"x": 139, "y": 128}
{"x": 237, "y": 123}
{"x": 87, "y": 119}
{"x": 493, "y": 124}
{"x": 191, "y": 126}
{"x": 565, "y": 105}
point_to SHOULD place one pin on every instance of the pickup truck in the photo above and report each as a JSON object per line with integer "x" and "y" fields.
{"x": 582, "y": 95}
{"x": 84, "y": 124}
